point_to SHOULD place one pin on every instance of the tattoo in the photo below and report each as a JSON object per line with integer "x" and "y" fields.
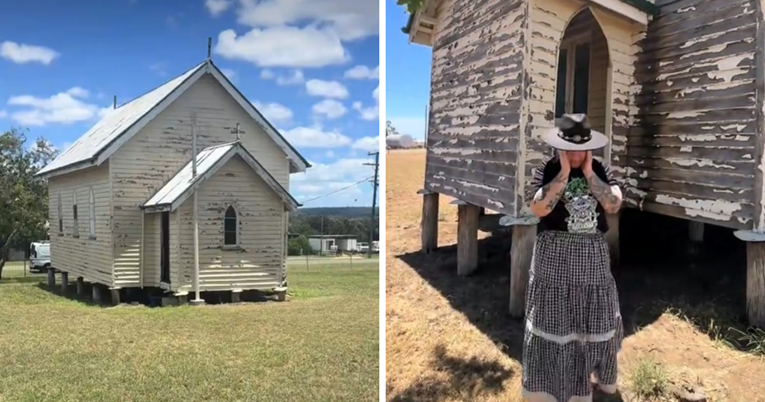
{"x": 551, "y": 193}
{"x": 609, "y": 198}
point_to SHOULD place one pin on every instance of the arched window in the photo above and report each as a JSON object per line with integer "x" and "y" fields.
{"x": 92, "y": 214}
{"x": 229, "y": 227}
{"x": 60, "y": 216}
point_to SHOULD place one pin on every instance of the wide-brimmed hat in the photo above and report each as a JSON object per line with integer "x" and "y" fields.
{"x": 574, "y": 134}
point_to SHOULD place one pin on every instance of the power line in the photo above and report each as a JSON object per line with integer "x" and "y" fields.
{"x": 337, "y": 191}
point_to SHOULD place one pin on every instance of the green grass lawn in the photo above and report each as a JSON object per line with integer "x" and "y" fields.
{"x": 320, "y": 345}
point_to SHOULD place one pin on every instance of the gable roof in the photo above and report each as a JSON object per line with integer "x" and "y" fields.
{"x": 209, "y": 160}
{"x": 119, "y": 125}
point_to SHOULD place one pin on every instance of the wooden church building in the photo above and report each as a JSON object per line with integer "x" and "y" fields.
{"x": 677, "y": 85}
{"x": 183, "y": 188}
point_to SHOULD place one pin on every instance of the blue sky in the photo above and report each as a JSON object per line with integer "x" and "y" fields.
{"x": 309, "y": 65}
{"x": 407, "y": 75}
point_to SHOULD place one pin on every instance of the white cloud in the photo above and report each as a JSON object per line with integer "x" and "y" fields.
{"x": 372, "y": 112}
{"x": 367, "y": 113}
{"x": 3, "y": 114}
{"x": 345, "y": 19}
{"x": 363, "y": 72}
{"x": 370, "y": 144}
{"x": 283, "y": 46}
{"x": 327, "y": 89}
{"x": 22, "y": 53}
{"x": 295, "y": 78}
{"x": 330, "y": 108}
{"x": 216, "y": 7}
{"x": 63, "y": 108}
{"x": 229, "y": 73}
{"x": 315, "y": 137}
{"x": 78, "y": 92}
{"x": 330, "y": 154}
{"x": 159, "y": 68}
{"x": 274, "y": 111}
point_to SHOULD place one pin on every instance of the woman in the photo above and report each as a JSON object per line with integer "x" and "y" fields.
{"x": 573, "y": 324}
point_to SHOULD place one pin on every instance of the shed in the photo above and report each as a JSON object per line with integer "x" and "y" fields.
{"x": 183, "y": 189}
{"x": 323, "y": 244}
{"x": 677, "y": 85}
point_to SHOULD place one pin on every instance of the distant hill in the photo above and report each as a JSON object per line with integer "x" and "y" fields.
{"x": 340, "y": 212}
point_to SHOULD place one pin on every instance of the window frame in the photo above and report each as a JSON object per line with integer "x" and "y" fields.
{"x": 60, "y": 212}
{"x": 569, "y": 45}
{"x": 75, "y": 216}
{"x": 226, "y": 219}
{"x": 92, "y": 215}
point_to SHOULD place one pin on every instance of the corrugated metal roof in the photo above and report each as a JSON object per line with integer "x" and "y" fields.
{"x": 184, "y": 179}
{"x": 210, "y": 160}
{"x": 115, "y": 123}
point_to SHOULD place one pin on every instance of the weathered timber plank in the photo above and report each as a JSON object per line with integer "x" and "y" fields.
{"x": 681, "y": 140}
{"x": 719, "y": 179}
{"x": 497, "y": 168}
{"x": 686, "y": 213}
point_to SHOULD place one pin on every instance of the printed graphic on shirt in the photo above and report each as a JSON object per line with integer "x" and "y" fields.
{"x": 581, "y": 206}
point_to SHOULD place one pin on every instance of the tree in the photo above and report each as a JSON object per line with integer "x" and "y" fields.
{"x": 23, "y": 197}
{"x": 389, "y": 129}
{"x": 299, "y": 246}
{"x": 411, "y": 5}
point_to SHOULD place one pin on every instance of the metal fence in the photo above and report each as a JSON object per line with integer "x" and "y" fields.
{"x": 309, "y": 262}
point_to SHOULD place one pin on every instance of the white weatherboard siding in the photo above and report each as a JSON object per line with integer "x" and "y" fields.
{"x": 261, "y": 233}
{"x": 83, "y": 256}
{"x": 151, "y": 158}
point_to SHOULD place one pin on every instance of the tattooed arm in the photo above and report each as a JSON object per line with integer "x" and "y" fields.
{"x": 546, "y": 197}
{"x": 549, "y": 194}
{"x": 608, "y": 195}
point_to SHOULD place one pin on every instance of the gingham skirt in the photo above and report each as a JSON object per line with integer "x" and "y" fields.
{"x": 573, "y": 325}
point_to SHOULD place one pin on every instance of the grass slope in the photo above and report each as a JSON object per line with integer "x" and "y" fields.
{"x": 321, "y": 345}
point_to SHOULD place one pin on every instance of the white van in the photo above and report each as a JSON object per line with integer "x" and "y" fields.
{"x": 39, "y": 256}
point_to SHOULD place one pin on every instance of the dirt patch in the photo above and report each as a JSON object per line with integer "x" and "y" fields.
{"x": 450, "y": 339}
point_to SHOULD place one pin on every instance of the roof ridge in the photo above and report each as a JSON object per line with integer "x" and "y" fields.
{"x": 163, "y": 84}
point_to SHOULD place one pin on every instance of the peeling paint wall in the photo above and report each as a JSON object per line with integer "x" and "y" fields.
{"x": 476, "y": 97}
{"x": 259, "y": 264}
{"x": 146, "y": 162}
{"x": 82, "y": 255}
{"x": 691, "y": 152}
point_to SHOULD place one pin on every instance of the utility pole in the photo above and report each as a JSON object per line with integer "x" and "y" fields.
{"x": 374, "y": 201}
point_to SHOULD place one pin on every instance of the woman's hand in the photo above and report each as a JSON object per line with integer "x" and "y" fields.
{"x": 587, "y": 165}
{"x": 565, "y": 164}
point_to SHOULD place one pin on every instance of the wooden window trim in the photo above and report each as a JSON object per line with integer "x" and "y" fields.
{"x": 569, "y": 45}
{"x": 92, "y": 215}
{"x": 235, "y": 245}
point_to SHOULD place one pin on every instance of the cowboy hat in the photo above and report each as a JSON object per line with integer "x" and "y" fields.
{"x": 574, "y": 134}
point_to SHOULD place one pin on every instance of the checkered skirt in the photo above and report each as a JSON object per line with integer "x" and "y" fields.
{"x": 573, "y": 325}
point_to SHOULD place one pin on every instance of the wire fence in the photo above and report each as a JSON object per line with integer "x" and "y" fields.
{"x": 308, "y": 262}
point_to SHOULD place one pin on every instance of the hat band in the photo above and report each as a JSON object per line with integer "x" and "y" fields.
{"x": 578, "y": 138}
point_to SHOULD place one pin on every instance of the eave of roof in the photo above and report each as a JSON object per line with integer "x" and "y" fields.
{"x": 642, "y": 5}
{"x": 93, "y": 147}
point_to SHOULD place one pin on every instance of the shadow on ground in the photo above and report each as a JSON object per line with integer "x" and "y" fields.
{"x": 456, "y": 378}
{"x": 656, "y": 274}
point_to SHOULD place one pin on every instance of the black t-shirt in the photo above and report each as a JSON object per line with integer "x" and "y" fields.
{"x": 578, "y": 210}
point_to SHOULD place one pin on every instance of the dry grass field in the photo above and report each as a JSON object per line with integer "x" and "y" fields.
{"x": 450, "y": 339}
